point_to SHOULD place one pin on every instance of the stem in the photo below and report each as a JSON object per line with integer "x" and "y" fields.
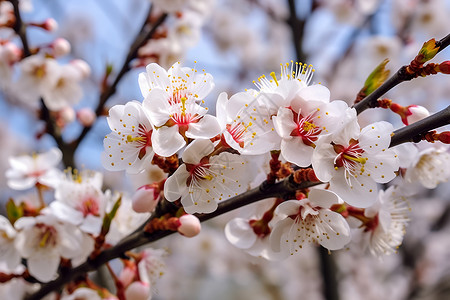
{"x": 414, "y": 132}
{"x": 297, "y": 27}
{"x": 20, "y": 28}
{"x": 400, "y": 76}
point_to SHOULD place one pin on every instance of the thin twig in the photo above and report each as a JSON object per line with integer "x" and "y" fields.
{"x": 20, "y": 28}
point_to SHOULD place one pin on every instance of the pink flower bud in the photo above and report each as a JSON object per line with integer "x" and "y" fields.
{"x": 416, "y": 113}
{"x": 11, "y": 53}
{"x": 86, "y": 116}
{"x": 50, "y": 25}
{"x": 189, "y": 225}
{"x": 146, "y": 198}
{"x": 138, "y": 290}
{"x": 60, "y": 47}
{"x": 82, "y": 67}
{"x": 67, "y": 114}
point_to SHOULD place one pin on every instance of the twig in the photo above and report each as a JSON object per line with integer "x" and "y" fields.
{"x": 20, "y": 28}
{"x": 400, "y": 76}
{"x": 297, "y": 28}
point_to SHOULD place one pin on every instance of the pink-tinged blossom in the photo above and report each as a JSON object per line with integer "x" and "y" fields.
{"x": 43, "y": 240}
{"x": 203, "y": 181}
{"x": 246, "y": 122}
{"x": 309, "y": 221}
{"x": 390, "y": 217}
{"x": 129, "y": 145}
{"x": 355, "y": 160}
{"x": 172, "y": 102}
{"x": 146, "y": 198}
{"x": 8, "y": 252}
{"x": 309, "y": 117}
{"x": 27, "y": 171}
{"x": 80, "y": 201}
{"x": 138, "y": 290}
{"x": 151, "y": 266}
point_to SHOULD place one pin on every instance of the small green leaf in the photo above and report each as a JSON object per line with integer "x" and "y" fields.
{"x": 428, "y": 51}
{"x": 107, "y": 219}
{"x": 13, "y": 211}
{"x": 376, "y": 78}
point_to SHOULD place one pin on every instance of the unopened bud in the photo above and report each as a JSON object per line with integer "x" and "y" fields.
{"x": 50, "y": 25}
{"x": 445, "y": 67}
{"x": 444, "y": 137}
{"x": 11, "y": 53}
{"x": 67, "y": 114}
{"x": 86, "y": 116}
{"x": 146, "y": 198}
{"x": 138, "y": 290}
{"x": 60, "y": 47}
{"x": 428, "y": 51}
{"x": 416, "y": 113}
{"x": 82, "y": 67}
{"x": 189, "y": 225}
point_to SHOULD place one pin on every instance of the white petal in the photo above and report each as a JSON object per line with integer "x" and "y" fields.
{"x": 277, "y": 243}
{"x": 316, "y": 92}
{"x": 43, "y": 265}
{"x": 239, "y": 233}
{"x": 362, "y": 191}
{"x": 207, "y": 127}
{"x": 166, "y": 141}
{"x": 196, "y": 150}
{"x": 375, "y": 137}
{"x": 284, "y": 122}
{"x": 323, "y": 198}
{"x": 295, "y": 151}
{"x": 323, "y": 161}
{"x": 221, "y": 106}
{"x": 288, "y": 208}
{"x": 382, "y": 167}
{"x": 333, "y": 232}
{"x": 157, "y": 106}
{"x": 175, "y": 185}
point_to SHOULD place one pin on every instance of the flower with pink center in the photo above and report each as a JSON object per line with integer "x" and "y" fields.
{"x": 246, "y": 122}
{"x": 355, "y": 160}
{"x": 129, "y": 145}
{"x": 27, "y": 171}
{"x": 43, "y": 240}
{"x": 204, "y": 179}
{"x": 172, "y": 102}
{"x": 309, "y": 117}
{"x": 80, "y": 201}
{"x": 309, "y": 221}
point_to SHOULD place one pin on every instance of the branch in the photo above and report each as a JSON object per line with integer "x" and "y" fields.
{"x": 297, "y": 28}
{"x": 415, "y": 131}
{"x": 20, "y": 28}
{"x": 400, "y": 76}
{"x": 144, "y": 35}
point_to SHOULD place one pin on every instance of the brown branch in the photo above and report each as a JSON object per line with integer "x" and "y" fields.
{"x": 20, "y": 28}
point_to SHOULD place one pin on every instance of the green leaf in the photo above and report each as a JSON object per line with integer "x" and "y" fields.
{"x": 428, "y": 51}
{"x": 376, "y": 78}
{"x": 13, "y": 211}
{"x": 110, "y": 216}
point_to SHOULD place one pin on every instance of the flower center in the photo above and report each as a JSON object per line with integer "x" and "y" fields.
{"x": 306, "y": 129}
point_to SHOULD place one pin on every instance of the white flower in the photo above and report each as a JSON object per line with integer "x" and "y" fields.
{"x": 80, "y": 201}
{"x": 429, "y": 166}
{"x": 246, "y": 122}
{"x": 65, "y": 90}
{"x": 172, "y": 102}
{"x": 354, "y": 160}
{"x": 39, "y": 75}
{"x": 43, "y": 240}
{"x": 307, "y": 118}
{"x": 129, "y": 145}
{"x": 390, "y": 218}
{"x": 309, "y": 221}
{"x": 138, "y": 290}
{"x": 8, "y": 252}
{"x": 203, "y": 181}
{"x": 27, "y": 171}
{"x": 151, "y": 266}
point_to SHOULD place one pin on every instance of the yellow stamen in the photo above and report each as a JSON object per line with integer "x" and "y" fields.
{"x": 274, "y": 77}
{"x": 131, "y": 139}
{"x": 361, "y": 160}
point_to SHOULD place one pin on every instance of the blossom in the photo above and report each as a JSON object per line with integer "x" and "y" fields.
{"x": 43, "y": 240}
{"x": 189, "y": 225}
{"x": 138, "y": 290}
{"x": 8, "y": 252}
{"x": 27, "y": 171}
{"x": 151, "y": 265}
{"x": 308, "y": 117}
{"x": 129, "y": 145}
{"x": 309, "y": 221}
{"x": 389, "y": 220}
{"x": 172, "y": 103}
{"x": 80, "y": 201}
{"x": 427, "y": 164}
{"x": 354, "y": 160}
{"x": 204, "y": 180}
{"x": 246, "y": 122}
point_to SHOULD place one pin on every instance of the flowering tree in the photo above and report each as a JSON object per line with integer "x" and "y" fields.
{"x": 317, "y": 171}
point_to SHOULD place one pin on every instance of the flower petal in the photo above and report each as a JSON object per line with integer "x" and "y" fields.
{"x": 167, "y": 140}
{"x": 239, "y": 233}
